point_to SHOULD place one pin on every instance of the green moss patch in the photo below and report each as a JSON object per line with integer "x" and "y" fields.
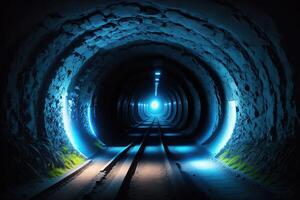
{"x": 235, "y": 162}
{"x": 70, "y": 160}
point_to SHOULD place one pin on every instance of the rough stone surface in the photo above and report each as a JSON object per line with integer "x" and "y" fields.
{"x": 235, "y": 46}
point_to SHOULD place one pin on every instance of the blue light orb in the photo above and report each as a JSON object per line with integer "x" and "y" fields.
{"x": 154, "y": 104}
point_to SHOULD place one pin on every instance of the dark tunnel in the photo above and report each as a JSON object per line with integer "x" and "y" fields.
{"x": 205, "y": 92}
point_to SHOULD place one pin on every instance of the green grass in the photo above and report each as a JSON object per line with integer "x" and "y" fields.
{"x": 235, "y": 162}
{"x": 70, "y": 160}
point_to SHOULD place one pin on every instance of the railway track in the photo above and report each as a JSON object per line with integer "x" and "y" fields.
{"x": 116, "y": 174}
{"x": 137, "y": 175}
{"x": 114, "y": 179}
{"x": 150, "y": 168}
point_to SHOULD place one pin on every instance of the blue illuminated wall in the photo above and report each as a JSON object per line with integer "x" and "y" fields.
{"x": 236, "y": 56}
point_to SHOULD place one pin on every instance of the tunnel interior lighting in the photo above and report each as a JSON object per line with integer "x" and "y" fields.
{"x": 156, "y": 82}
{"x": 226, "y": 131}
{"x": 203, "y": 164}
{"x": 156, "y": 87}
{"x": 153, "y": 149}
{"x": 69, "y": 129}
{"x": 183, "y": 149}
{"x": 154, "y": 104}
{"x": 93, "y": 132}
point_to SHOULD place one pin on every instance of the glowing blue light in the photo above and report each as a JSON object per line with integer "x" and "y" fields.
{"x": 226, "y": 131}
{"x": 154, "y": 104}
{"x": 115, "y": 149}
{"x": 205, "y": 164}
{"x": 155, "y": 90}
{"x": 231, "y": 119}
{"x": 67, "y": 123}
{"x": 90, "y": 122}
{"x": 171, "y": 134}
{"x": 157, "y": 74}
{"x": 153, "y": 149}
{"x": 186, "y": 149}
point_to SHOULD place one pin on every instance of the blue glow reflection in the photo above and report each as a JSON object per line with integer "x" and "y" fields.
{"x": 70, "y": 131}
{"x": 90, "y": 122}
{"x": 204, "y": 164}
{"x": 153, "y": 149}
{"x": 183, "y": 149}
{"x": 116, "y": 149}
{"x": 226, "y": 131}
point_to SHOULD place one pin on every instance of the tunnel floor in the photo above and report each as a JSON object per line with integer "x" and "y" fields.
{"x": 150, "y": 180}
{"x": 150, "y": 168}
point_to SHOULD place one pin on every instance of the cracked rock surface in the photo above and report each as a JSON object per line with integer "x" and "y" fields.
{"x": 235, "y": 53}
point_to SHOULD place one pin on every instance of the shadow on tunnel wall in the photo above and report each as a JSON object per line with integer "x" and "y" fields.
{"x": 32, "y": 153}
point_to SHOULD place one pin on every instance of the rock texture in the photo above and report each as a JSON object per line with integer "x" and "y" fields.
{"x": 234, "y": 53}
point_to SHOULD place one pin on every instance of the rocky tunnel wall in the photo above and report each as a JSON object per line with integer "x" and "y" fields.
{"x": 233, "y": 53}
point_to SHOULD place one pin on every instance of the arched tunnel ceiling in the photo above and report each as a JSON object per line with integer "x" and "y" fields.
{"x": 80, "y": 62}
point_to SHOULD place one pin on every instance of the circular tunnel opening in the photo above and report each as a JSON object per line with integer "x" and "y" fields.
{"x": 192, "y": 106}
{"x": 90, "y": 78}
{"x": 130, "y": 89}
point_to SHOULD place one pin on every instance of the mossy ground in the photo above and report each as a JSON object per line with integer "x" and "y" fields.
{"x": 70, "y": 160}
{"x": 235, "y": 162}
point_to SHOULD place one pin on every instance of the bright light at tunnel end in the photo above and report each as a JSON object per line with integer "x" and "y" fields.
{"x": 154, "y": 104}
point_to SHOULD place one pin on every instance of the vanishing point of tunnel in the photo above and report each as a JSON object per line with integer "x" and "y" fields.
{"x": 153, "y": 99}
